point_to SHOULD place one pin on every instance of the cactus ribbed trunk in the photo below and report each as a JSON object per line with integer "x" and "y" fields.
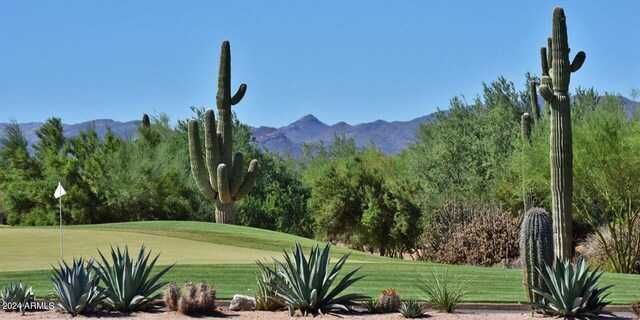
{"x": 535, "y": 107}
{"x": 561, "y": 177}
{"x": 535, "y": 250}
{"x": 554, "y": 89}
{"x": 225, "y": 213}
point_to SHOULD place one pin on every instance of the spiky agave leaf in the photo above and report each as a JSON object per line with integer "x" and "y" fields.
{"x": 411, "y": 309}
{"x": 76, "y": 287}
{"x": 18, "y": 294}
{"x": 129, "y": 284}
{"x": 572, "y": 292}
{"x": 306, "y": 284}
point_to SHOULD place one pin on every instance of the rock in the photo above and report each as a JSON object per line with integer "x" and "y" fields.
{"x": 242, "y": 303}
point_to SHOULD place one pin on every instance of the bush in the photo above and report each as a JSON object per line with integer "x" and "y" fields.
{"x": 76, "y": 288}
{"x": 595, "y": 246}
{"x": 17, "y": 294}
{"x": 129, "y": 285}
{"x": 571, "y": 293}
{"x": 441, "y": 294}
{"x": 474, "y": 235}
{"x": 305, "y": 285}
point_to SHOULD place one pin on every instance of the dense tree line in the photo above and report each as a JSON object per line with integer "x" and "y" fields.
{"x": 473, "y": 154}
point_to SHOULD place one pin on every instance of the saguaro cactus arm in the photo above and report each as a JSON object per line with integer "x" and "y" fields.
{"x": 212, "y": 148}
{"x": 535, "y": 108}
{"x": 249, "y": 180}
{"x": 197, "y": 162}
{"x": 239, "y": 95}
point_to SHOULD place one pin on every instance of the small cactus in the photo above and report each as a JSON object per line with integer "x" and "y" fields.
{"x": 636, "y": 309}
{"x": 171, "y": 296}
{"x": 195, "y": 300}
{"x": 536, "y": 252}
{"x": 389, "y": 300}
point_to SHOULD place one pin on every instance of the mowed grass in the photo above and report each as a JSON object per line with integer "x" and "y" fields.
{"x": 224, "y": 255}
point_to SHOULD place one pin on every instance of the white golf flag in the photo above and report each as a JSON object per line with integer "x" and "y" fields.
{"x": 59, "y": 191}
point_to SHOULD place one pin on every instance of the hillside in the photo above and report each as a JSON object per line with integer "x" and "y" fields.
{"x": 390, "y": 137}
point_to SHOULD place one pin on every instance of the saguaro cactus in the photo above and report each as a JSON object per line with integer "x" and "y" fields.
{"x": 535, "y": 108}
{"x": 535, "y": 249}
{"x": 224, "y": 183}
{"x": 525, "y": 122}
{"x": 554, "y": 89}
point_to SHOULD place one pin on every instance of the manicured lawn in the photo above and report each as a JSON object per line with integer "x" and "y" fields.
{"x": 224, "y": 255}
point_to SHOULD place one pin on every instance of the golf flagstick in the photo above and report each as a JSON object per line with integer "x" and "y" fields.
{"x": 58, "y": 194}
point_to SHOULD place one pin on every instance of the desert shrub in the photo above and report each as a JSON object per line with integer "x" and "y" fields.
{"x": 602, "y": 249}
{"x": 442, "y": 294}
{"x": 411, "y": 309}
{"x": 17, "y": 294}
{"x": 171, "y": 296}
{"x": 76, "y": 287}
{"x": 389, "y": 300}
{"x": 471, "y": 234}
{"x": 129, "y": 284}
{"x": 306, "y": 284}
{"x": 571, "y": 293}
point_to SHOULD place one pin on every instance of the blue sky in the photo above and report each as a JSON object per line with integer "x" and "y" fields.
{"x": 353, "y": 61}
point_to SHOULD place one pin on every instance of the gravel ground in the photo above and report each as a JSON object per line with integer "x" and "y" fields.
{"x": 464, "y": 314}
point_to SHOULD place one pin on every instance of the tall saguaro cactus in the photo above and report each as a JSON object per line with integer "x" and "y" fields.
{"x": 535, "y": 108}
{"x": 554, "y": 89}
{"x": 224, "y": 184}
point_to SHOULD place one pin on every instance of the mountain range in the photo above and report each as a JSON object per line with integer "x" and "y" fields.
{"x": 390, "y": 137}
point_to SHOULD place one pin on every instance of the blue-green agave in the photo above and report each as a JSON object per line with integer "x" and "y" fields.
{"x": 305, "y": 285}
{"x": 129, "y": 285}
{"x": 571, "y": 293}
{"x": 76, "y": 287}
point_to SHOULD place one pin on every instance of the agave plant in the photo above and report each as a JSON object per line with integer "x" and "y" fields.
{"x": 266, "y": 298}
{"x": 305, "y": 285}
{"x": 411, "y": 309}
{"x": 76, "y": 287}
{"x": 17, "y": 294}
{"x": 571, "y": 292}
{"x": 129, "y": 284}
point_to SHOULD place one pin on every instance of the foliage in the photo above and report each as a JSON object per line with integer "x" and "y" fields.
{"x": 441, "y": 294}
{"x": 359, "y": 197}
{"x": 17, "y": 294}
{"x": 572, "y": 292}
{"x": 470, "y": 234}
{"x": 305, "y": 285}
{"x": 389, "y": 300}
{"x": 264, "y": 292}
{"x": 129, "y": 284}
{"x": 595, "y": 253}
{"x": 463, "y": 153}
{"x": 76, "y": 287}
{"x": 411, "y": 309}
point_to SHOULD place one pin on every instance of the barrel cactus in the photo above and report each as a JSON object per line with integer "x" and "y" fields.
{"x": 225, "y": 183}
{"x": 535, "y": 250}
{"x": 554, "y": 89}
